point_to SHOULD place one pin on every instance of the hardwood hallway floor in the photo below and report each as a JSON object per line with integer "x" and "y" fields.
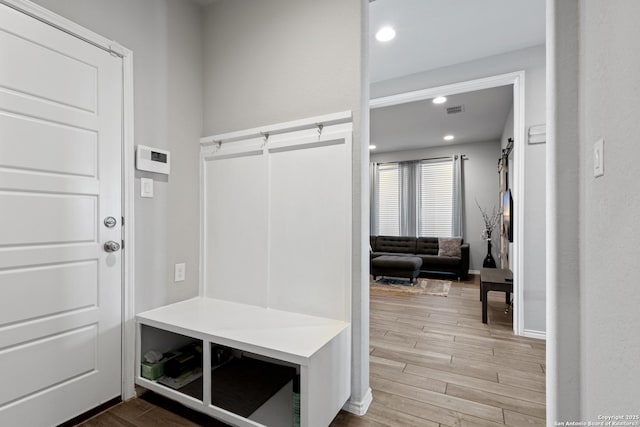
{"x": 433, "y": 363}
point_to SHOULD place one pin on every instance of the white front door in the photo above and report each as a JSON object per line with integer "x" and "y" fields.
{"x": 60, "y": 177}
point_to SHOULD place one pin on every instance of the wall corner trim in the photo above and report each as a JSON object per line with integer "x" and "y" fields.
{"x": 359, "y": 407}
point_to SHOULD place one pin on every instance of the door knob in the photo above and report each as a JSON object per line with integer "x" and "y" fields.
{"x": 111, "y": 246}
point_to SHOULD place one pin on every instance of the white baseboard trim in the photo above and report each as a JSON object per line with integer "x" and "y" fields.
{"x": 541, "y": 335}
{"x": 359, "y": 408}
{"x": 474, "y": 271}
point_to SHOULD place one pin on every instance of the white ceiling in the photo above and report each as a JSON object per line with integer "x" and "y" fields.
{"x": 437, "y": 33}
{"x": 423, "y": 124}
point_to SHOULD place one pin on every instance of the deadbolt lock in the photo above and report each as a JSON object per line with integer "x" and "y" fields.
{"x": 110, "y": 222}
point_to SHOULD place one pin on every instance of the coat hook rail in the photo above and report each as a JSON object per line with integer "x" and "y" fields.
{"x": 319, "y": 122}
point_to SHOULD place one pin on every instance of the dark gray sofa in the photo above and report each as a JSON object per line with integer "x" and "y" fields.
{"x": 426, "y": 248}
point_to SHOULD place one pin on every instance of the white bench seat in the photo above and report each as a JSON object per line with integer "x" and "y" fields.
{"x": 319, "y": 346}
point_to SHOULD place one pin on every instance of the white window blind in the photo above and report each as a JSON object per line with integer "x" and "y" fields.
{"x": 416, "y": 198}
{"x": 435, "y": 199}
{"x": 388, "y": 209}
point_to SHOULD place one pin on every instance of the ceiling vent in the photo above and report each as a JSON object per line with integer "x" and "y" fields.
{"x": 455, "y": 109}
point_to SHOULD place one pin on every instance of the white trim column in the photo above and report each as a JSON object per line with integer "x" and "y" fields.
{"x": 563, "y": 230}
{"x": 361, "y": 396}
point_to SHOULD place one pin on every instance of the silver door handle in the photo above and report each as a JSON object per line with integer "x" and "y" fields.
{"x": 111, "y": 246}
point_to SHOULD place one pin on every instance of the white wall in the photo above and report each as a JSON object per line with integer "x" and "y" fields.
{"x": 166, "y": 38}
{"x": 282, "y": 60}
{"x": 480, "y": 182}
{"x": 563, "y": 273}
{"x": 592, "y": 353}
{"x": 609, "y": 97}
{"x": 532, "y": 61}
{"x": 279, "y": 60}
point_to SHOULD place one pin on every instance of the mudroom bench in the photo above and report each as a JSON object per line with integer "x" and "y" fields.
{"x": 276, "y": 352}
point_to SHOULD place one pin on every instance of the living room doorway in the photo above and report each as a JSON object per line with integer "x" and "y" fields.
{"x": 513, "y": 83}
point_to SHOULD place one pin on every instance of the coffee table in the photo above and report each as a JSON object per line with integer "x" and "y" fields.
{"x": 494, "y": 279}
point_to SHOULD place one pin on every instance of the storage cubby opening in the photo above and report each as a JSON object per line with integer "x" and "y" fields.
{"x": 248, "y": 384}
{"x": 172, "y": 360}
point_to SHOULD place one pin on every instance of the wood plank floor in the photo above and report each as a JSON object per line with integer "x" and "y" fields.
{"x": 433, "y": 363}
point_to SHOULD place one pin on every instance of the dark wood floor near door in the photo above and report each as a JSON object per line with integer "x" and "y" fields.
{"x": 433, "y": 363}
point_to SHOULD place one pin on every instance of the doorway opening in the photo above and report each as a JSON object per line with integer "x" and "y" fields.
{"x": 516, "y": 173}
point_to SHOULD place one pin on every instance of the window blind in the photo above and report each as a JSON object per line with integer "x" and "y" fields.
{"x": 435, "y": 199}
{"x": 415, "y": 198}
{"x": 388, "y": 196}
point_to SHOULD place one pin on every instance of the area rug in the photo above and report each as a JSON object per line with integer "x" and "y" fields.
{"x": 432, "y": 287}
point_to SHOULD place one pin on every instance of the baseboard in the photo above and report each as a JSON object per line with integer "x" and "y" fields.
{"x": 474, "y": 271}
{"x": 359, "y": 408}
{"x": 92, "y": 413}
{"x": 541, "y": 335}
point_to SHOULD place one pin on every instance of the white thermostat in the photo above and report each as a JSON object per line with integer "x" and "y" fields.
{"x": 152, "y": 160}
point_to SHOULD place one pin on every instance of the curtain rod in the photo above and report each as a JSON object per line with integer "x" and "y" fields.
{"x": 463, "y": 156}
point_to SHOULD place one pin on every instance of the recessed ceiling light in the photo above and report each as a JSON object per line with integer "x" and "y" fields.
{"x": 385, "y": 34}
{"x": 440, "y": 100}
{"x": 448, "y": 137}
{"x": 372, "y": 147}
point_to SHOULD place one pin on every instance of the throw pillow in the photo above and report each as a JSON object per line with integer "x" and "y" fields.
{"x": 449, "y": 246}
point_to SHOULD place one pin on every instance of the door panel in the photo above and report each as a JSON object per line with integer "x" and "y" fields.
{"x": 76, "y": 81}
{"x": 43, "y": 355}
{"x": 19, "y": 181}
{"x": 60, "y": 176}
{"x": 67, "y": 150}
{"x": 60, "y": 288}
{"x": 29, "y": 219}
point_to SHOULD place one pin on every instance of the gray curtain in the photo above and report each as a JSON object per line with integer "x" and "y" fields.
{"x": 373, "y": 198}
{"x": 410, "y": 180}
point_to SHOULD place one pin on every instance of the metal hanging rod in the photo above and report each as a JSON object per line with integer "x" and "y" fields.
{"x": 319, "y": 122}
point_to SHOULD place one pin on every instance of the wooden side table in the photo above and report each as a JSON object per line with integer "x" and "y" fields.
{"x": 494, "y": 279}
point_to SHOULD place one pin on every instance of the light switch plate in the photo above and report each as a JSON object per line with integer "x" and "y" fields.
{"x": 146, "y": 187}
{"x": 598, "y": 158}
{"x": 180, "y": 272}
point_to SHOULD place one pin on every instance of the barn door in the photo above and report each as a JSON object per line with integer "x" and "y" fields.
{"x": 60, "y": 223}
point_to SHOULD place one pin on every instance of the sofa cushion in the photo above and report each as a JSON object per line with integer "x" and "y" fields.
{"x": 395, "y": 244}
{"x": 427, "y": 245}
{"x": 449, "y": 246}
{"x": 377, "y": 254}
{"x": 436, "y": 262}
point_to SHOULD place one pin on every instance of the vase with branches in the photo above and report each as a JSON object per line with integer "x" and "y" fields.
{"x": 490, "y": 223}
